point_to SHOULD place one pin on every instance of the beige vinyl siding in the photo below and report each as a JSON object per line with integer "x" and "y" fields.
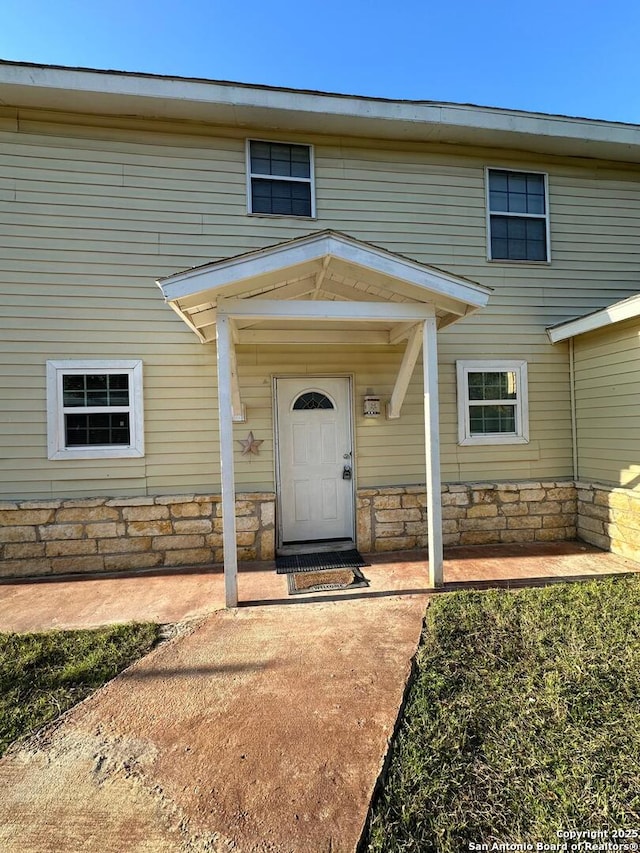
{"x": 91, "y": 216}
{"x": 607, "y": 368}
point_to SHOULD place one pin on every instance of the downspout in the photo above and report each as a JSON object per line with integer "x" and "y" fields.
{"x": 574, "y": 424}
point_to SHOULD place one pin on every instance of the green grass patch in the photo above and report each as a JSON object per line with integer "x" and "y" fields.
{"x": 524, "y": 719}
{"x": 41, "y": 675}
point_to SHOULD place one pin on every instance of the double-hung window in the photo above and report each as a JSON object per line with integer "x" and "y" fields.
{"x": 94, "y": 409}
{"x": 280, "y": 178}
{"x": 492, "y": 402}
{"x": 518, "y": 216}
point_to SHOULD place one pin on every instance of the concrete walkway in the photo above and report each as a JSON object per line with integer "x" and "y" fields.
{"x": 261, "y": 729}
{"x": 264, "y": 729}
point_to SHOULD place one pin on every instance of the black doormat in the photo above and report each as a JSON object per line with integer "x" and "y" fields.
{"x": 323, "y": 580}
{"x": 321, "y": 560}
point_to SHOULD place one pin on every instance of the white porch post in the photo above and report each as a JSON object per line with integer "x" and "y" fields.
{"x": 225, "y": 410}
{"x": 432, "y": 450}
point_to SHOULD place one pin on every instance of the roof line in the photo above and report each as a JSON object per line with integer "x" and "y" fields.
{"x": 625, "y": 309}
{"x": 318, "y": 92}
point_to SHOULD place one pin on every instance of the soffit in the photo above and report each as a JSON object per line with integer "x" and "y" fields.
{"x": 249, "y": 106}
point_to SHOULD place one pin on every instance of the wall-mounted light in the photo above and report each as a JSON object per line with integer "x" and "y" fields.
{"x": 371, "y": 406}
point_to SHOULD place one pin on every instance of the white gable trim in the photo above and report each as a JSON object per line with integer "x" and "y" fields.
{"x": 221, "y": 274}
{"x": 626, "y": 309}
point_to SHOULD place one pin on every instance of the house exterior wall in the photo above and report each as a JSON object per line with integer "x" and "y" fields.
{"x": 607, "y": 389}
{"x": 91, "y": 215}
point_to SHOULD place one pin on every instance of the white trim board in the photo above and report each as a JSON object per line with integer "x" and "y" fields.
{"x": 626, "y": 309}
{"x": 93, "y": 91}
{"x": 521, "y": 403}
{"x": 56, "y": 447}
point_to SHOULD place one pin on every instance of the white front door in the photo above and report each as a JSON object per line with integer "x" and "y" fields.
{"x": 314, "y": 449}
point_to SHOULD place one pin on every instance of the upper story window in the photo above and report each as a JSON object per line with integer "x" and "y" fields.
{"x": 94, "y": 409}
{"x": 280, "y": 178}
{"x": 518, "y": 216}
{"x": 492, "y": 402}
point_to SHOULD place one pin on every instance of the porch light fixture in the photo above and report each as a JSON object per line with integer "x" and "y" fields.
{"x": 371, "y": 407}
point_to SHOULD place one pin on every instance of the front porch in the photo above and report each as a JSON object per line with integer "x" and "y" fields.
{"x": 179, "y": 595}
{"x": 319, "y": 291}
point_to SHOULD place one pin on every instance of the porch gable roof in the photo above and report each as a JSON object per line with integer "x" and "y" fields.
{"x": 326, "y": 268}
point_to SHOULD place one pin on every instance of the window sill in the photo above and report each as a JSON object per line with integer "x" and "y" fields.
{"x": 518, "y": 263}
{"x": 485, "y": 440}
{"x": 98, "y": 453}
{"x": 282, "y": 216}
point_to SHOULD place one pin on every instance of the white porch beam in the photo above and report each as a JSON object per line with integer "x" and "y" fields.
{"x": 265, "y": 309}
{"x": 288, "y": 291}
{"x": 225, "y": 410}
{"x": 312, "y": 337}
{"x": 432, "y": 451}
{"x": 405, "y": 373}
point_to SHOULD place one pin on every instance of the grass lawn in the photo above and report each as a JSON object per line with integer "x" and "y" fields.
{"x": 41, "y": 675}
{"x": 524, "y": 719}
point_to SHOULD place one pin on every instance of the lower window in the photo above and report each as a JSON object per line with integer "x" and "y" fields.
{"x": 94, "y": 409}
{"x": 492, "y": 402}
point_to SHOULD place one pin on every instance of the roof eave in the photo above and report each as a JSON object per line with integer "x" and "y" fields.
{"x": 247, "y": 106}
{"x": 626, "y": 309}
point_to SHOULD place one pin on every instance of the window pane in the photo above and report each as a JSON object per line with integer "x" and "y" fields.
{"x": 312, "y": 400}
{"x": 498, "y": 201}
{"x": 487, "y": 420}
{"x": 97, "y": 429}
{"x": 96, "y": 381}
{"x": 499, "y": 226}
{"x": 95, "y": 389}
{"x": 275, "y": 158}
{"x": 284, "y": 197}
{"x": 517, "y": 250}
{"x": 517, "y": 229}
{"x": 517, "y": 203}
{"x": 499, "y": 181}
{"x": 492, "y": 385}
{"x": 526, "y": 239}
{"x": 517, "y": 182}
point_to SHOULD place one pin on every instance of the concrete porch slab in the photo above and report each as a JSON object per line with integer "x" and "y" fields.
{"x": 86, "y": 601}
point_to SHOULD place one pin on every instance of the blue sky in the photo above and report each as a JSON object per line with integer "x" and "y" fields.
{"x": 569, "y": 57}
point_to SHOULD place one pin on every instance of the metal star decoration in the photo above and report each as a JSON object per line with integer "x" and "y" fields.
{"x": 250, "y": 445}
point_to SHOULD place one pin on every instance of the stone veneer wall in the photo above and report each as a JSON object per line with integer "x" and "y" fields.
{"x": 113, "y": 534}
{"x": 392, "y": 519}
{"x": 609, "y": 517}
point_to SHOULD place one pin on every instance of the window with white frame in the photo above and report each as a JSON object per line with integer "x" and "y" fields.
{"x": 492, "y": 402}
{"x": 94, "y": 409}
{"x": 518, "y": 216}
{"x": 280, "y": 178}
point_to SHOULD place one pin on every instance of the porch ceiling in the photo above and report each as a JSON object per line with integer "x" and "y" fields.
{"x": 282, "y": 293}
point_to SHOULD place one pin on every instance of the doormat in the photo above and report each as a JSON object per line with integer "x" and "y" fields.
{"x": 321, "y": 560}
{"x": 325, "y": 579}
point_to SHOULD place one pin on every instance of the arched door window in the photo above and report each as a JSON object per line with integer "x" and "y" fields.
{"x": 312, "y": 400}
